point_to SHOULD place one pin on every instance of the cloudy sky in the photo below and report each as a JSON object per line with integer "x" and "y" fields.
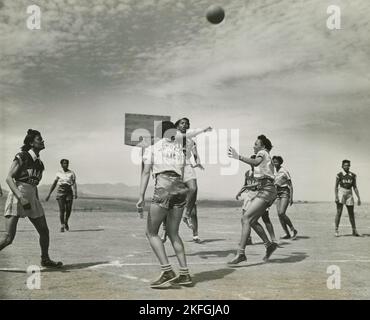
{"x": 271, "y": 67}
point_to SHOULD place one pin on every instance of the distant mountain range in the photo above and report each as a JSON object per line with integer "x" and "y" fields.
{"x": 108, "y": 190}
{"x": 116, "y": 190}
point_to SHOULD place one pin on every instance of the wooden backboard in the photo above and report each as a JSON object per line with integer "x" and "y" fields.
{"x": 140, "y": 128}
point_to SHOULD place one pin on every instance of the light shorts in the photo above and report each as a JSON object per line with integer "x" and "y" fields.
{"x": 346, "y": 197}
{"x": 166, "y": 182}
{"x": 189, "y": 173}
{"x": 267, "y": 191}
{"x": 14, "y": 208}
{"x": 64, "y": 192}
{"x": 248, "y": 197}
{"x": 283, "y": 192}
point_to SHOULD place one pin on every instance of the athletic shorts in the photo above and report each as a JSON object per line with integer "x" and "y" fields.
{"x": 189, "y": 173}
{"x": 15, "y": 209}
{"x": 166, "y": 182}
{"x": 266, "y": 191}
{"x": 346, "y": 197}
{"x": 283, "y": 192}
{"x": 64, "y": 192}
{"x": 248, "y": 197}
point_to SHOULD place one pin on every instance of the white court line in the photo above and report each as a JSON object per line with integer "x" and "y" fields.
{"x": 119, "y": 264}
{"x": 14, "y": 269}
{"x": 127, "y": 276}
{"x": 344, "y": 261}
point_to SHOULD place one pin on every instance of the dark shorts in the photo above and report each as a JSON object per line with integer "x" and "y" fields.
{"x": 169, "y": 190}
{"x": 64, "y": 192}
{"x": 283, "y": 192}
{"x": 267, "y": 191}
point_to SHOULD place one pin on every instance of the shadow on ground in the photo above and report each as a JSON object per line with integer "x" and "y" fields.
{"x": 212, "y": 254}
{"x": 208, "y": 240}
{"x": 206, "y": 276}
{"x": 86, "y": 230}
{"x": 64, "y": 268}
{"x": 293, "y": 258}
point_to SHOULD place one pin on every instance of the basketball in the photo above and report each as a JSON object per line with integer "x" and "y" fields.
{"x": 215, "y": 14}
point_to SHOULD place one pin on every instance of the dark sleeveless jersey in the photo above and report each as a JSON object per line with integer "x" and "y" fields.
{"x": 30, "y": 171}
{"x": 346, "y": 180}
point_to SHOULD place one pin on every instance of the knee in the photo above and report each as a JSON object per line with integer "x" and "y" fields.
{"x": 174, "y": 237}
{"x": 7, "y": 240}
{"x": 266, "y": 218}
{"x": 150, "y": 234}
{"x": 245, "y": 219}
{"x": 281, "y": 214}
{"x": 192, "y": 189}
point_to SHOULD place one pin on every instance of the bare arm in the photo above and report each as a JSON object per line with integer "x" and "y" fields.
{"x": 1, "y": 191}
{"x": 290, "y": 185}
{"x": 75, "y": 187}
{"x": 253, "y": 162}
{"x": 179, "y": 136}
{"x": 10, "y": 181}
{"x": 357, "y": 192}
{"x": 143, "y": 185}
{"x": 52, "y": 189}
{"x": 336, "y": 189}
{"x": 196, "y": 158}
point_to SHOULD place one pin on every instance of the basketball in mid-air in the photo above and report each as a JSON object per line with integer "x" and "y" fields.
{"x": 215, "y": 14}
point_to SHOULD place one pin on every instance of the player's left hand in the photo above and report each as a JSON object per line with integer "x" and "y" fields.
{"x": 76, "y": 196}
{"x": 291, "y": 202}
{"x": 232, "y": 153}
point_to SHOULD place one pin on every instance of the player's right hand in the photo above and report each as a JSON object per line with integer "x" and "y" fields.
{"x": 237, "y": 196}
{"x": 140, "y": 203}
{"x": 140, "y": 207}
{"x": 25, "y": 203}
{"x": 336, "y": 199}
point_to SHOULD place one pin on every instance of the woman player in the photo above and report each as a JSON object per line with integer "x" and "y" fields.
{"x": 190, "y": 179}
{"x": 266, "y": 195}
{"x": 65, "y": 180}
{"x": 344, "y": 182}
{"x": 23, "y": 200}
{"x": 166, "y": 159}
{"x": 284, "y": 188}
{"x": 250, "y": 190}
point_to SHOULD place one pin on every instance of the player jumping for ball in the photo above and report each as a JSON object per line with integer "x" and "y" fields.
{"x": 344, "y": 182}
{"x": 250, "y": 191}
{"x": 190, "y": 179}
{"x": 266, "y": 195}
{"x": 166, "y": 160}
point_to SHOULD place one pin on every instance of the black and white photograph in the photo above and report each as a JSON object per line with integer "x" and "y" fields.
{"x": 184, "y": 150}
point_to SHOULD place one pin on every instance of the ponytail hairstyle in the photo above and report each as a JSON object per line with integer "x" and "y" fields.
{"x": 31, "y": 135}
{"x": 265, "y": 141}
